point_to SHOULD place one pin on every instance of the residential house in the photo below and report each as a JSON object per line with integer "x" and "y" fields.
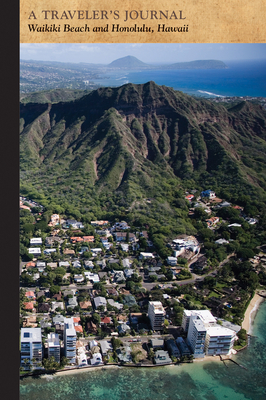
{"x": 212, "y": 221}
{"x": 58, "y": 321}
{"x": 30, "y": 264}
{"x": 189, "y": 197}
{"x": 123, "y": 329}
{"x": 118, "y": 276}
{"x": 106, "y": 346}
{"x": 29, "y": 306}
{"x": 88, "y": 239}
{"x": 124, "y": 354}
{"x": 53, "y": 241}
{"x": 49, "y": 251}
{"x": 183, "y": 347}
{"x": 85, "y": 304}
{"x": 145, "y": 256}
{"x": 157, "y": 343}
{"x": 57, "y": 304}
{"x": 99, "y": 223}
{"x": 128, "y": 272}
{"x": 64, "y": 264}
{"x": 120, "y": 225}
{"x": 112, "y": 292}
{"x": 76, "y": 264}
{"x": 69, "y": 252}
{"x": 55, "y": 220}
{"x": 172, "y": 261}
{"x": 124, "y": 247}
{"x": 115, "y": 304}
{"x": 36, "y": 241}
{"x": 72, "y": 223}
{"x": 72, "y": 302}
{"x": 30, "y": 295}
{"x": 122, "y": 237}
{"x": 88, "y": 264}
{"x": 99, "y": 301}
{"x": 36, "y": 251}
{"x": 44, "y": 308}
{"x": 208, "y": 194}
{"x": 92, "y": 277}
{"x": 57, "y": 296}
{"x": 162, "y": 357}
{"x": 172, "y": 348}
{"x": 78, "y": 278}
{"x": 129, "y": 300}
{"x": 76, "y": 239}
{"x": 96, "y": 359}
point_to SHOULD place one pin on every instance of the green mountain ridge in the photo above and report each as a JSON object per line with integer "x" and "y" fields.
{"x": 137, "y": 141}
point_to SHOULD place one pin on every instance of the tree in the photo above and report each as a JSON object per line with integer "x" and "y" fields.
{"x": 96, "y": 318}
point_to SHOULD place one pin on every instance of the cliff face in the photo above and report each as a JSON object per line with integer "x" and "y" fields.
{"x": 113, "y": 136}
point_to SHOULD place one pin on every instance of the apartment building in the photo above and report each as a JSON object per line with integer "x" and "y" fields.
{"x": 70, "y": 339}
{"x": 31, "y": 348}
{"x": 219, "y": 340}
{"x": 205, "y": 336}
{"x": 156, "y": 315}
{"x": 196, "y": 336}
{"x": 53, "y": 345}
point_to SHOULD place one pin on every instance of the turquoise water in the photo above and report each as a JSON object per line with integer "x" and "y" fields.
{"x": 197, "y": 381}
{"x": 246, "y": 78}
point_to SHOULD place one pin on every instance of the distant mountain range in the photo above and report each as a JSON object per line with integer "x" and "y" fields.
{"x": 131, "y": 62}
{"x": 135, "y": 137}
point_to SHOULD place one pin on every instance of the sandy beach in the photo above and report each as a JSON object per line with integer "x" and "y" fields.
{"x": 78, "y": 370}
{"x": 251, "y": 312}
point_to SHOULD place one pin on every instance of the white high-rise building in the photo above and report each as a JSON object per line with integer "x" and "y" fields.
{"x": 156, "y": 315}
{"x": 196, "y": 336}
{"x": 31, "y": 347}
{"x": 205, "y": 336}
{"x": 219, "y": 340}
{"x": 53, "y": 346}
{"x": 70, "y": 339}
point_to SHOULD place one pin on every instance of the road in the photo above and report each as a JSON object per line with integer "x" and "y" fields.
{"x": 195, "y": 277}
{"x": 151, "y": 285}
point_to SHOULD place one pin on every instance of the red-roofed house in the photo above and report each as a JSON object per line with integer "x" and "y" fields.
{"x": 29, "y": 306}
{"x": 105, "y": 320}
{"x": 76, "y": 320}
{"x": 189, "y": 197}
{"x": 30, "y": 295}
{"x": 30, "y": 264}
{"x": 76, "y": 239}
{"x": 88, "y": 238}
{"x": 212, "y": 221}
{"x": 78, "y": 328}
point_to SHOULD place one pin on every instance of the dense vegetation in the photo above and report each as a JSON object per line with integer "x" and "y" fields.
{"x": 112, "y": 149}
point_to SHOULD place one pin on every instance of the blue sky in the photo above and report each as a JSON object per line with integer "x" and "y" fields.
{"x": 104, "y": 53}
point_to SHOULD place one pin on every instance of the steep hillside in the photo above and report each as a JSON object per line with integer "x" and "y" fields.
{"x": 139, "y": 140}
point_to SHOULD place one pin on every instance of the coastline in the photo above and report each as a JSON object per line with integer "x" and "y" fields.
{"x": 247, "y": 324}
{"x": 251, "y": 312}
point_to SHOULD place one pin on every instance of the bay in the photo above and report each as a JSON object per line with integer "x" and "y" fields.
{"x": 198, "y": 381}
{"x": 241, "y": 78}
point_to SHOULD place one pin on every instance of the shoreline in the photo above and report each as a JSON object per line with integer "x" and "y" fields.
{"x": 247, "y": 324}
{"x": 251, "y": 312}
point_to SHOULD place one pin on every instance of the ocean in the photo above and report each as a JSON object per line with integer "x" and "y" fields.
{"x": 197, "y": 381}
{"x": 242, "y": 78}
